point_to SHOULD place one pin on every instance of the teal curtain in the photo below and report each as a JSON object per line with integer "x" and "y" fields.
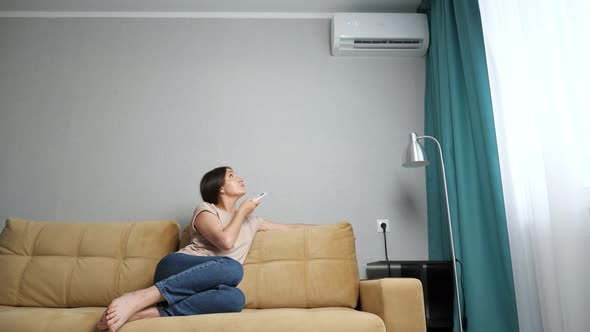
{"x": 458, "y": 112}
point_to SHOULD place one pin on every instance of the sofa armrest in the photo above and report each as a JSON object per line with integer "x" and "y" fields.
{"x": 398, "y": 301}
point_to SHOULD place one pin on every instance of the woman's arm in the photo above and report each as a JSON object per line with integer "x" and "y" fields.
{"x": 268, "y": 225}
{"x": 223, "y": 238}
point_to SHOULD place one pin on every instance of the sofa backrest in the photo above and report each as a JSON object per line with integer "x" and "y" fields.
{"x": 73, "y": 264}
{"x": 301, "y": 268}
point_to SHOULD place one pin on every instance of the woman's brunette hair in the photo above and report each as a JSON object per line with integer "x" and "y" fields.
{"x": 211, "y": 184}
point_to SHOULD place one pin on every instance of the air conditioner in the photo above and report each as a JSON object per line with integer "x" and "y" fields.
{"x": 365, "y": 34}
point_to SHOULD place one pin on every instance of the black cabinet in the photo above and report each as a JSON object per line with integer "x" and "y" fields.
{"x": 437, "y": 285}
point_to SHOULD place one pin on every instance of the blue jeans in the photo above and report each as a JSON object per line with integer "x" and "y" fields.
{"x": 193, "y": 285}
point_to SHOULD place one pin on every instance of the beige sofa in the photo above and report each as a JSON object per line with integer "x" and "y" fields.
{"x": 60, "y": 276}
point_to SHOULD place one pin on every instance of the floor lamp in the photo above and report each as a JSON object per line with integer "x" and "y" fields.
{"x": 416, "y": 157}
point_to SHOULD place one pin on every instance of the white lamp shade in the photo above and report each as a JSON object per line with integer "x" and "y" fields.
{"x": 415, "y": 155}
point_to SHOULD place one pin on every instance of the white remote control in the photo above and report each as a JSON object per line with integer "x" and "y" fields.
{"x": 260, "y": 196}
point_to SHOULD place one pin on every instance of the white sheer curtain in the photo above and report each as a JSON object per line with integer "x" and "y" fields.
{"x": 538, "y": 57}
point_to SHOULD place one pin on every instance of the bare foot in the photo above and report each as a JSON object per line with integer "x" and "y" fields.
{"x": 151, "y": 312}
{"x": 102, "y": 324}
{"x": 122, "y": 308}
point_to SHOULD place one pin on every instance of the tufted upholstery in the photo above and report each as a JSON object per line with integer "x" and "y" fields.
{"x": 303, "y": 268}
{"x": 71, "y": 264}
{"x": 46, "y": 266}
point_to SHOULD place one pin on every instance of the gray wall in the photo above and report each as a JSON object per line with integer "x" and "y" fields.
{"x": 105, "y": 119}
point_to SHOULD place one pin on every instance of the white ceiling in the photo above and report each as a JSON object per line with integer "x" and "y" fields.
{"x": 205, "y": 6}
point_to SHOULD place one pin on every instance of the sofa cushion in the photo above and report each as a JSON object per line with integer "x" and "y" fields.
{"x": 301, "y": 268}
{"x": 265, "y": 320}
{"x": 73, "y": 264}
{"x": 29, "y": 319}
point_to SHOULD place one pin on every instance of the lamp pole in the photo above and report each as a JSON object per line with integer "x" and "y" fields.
{"x": 415, "y": 158}
{"x": 442, "y": 164}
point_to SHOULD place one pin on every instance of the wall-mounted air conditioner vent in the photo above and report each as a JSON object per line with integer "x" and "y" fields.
{"x": 379, "y": 34}
{"x": 382, "y": 44}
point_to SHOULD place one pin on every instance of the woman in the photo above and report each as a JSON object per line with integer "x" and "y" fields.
{"x": 200, "y": 278}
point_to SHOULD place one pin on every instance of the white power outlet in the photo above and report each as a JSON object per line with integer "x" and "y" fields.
{"x": 386, "y": 222}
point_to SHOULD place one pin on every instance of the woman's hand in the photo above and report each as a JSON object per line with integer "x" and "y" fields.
{"x": 248, "y": 206}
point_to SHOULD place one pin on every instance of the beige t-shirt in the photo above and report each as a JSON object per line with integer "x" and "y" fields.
{"x": 200, "y": 246}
